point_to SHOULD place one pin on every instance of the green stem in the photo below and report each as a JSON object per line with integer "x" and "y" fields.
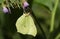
{"x": 53, "y": 15}
{"x": 58, "y": 36}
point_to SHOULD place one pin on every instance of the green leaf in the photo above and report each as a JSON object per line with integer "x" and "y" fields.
{"x": 40, "y": 11}
{"x": 47, "y": 3}
{"x": 1, "y": 1}
{"x": 16, "y": 36}
{"x": 25, "y": 25}
{"x": 43, "y": 16}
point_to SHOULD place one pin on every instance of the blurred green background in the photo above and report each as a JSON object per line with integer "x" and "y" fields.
{"x": 41, "y": 12}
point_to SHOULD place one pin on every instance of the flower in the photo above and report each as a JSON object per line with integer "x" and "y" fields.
{"x": 5, "y": 10}
{"x": 25, "y": 4}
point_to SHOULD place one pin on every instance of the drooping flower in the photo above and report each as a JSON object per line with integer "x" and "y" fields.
{"x": 5, "y": 10}
{"x": 25, "y": 4}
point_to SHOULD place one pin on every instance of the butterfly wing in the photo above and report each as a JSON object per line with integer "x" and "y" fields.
{"x": 25, "y": 25}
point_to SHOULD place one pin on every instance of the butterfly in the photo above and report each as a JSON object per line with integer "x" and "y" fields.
{"x": 25, "y": 25}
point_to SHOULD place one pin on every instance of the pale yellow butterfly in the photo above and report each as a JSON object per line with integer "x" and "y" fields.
{"x": 25, "y": 25}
